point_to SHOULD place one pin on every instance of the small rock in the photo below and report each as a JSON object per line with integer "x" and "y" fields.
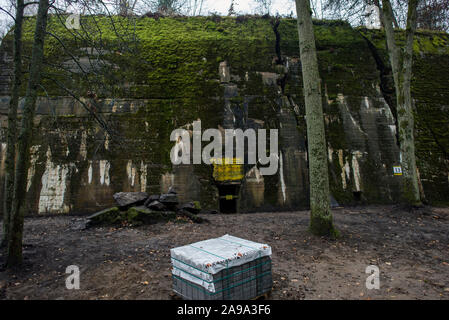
{"x": 153, "y": 197}
{"x": 128, "y": 199}
{"x": 192, "y": 207}
{"x": 169, "y": 199}
{"x": 172, "y": 190}
{"x": 156, "y": 205}
{"x": 107, "y": 216}
{"x": 79, "y": 224}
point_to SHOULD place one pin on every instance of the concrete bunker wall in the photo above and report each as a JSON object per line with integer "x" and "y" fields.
{"x": 230, "y": 82}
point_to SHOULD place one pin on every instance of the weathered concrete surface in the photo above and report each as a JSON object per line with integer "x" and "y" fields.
{"x": 76, "y": 166}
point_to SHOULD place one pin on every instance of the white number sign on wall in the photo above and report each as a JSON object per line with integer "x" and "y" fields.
{"x": 397, "y": 170}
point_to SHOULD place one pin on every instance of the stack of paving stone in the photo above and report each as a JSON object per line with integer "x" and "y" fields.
{"x": 225, "y": 268}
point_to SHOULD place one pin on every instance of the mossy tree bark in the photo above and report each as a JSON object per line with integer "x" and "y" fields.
{"x": 14, "y": 257}
{"x": 401, "y": 62}
{"x": 321, "y": 222}
{"x": 12, "y": 122}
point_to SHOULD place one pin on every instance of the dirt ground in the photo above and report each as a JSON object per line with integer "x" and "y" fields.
{"x": 411, "y": 250}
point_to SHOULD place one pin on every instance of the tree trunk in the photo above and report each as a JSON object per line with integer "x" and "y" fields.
{"x": 401, "y": 63}
{"x": 123, "y": 8}
{"x": 16, "y": 231}
{"x": 12, "y": 122}
{"x": 320, "y": 217}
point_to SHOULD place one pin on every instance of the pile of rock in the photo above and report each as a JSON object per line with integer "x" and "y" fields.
{"x": 137, "y": 208}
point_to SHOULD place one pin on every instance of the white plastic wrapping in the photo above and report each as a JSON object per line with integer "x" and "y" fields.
{"x": 198, "y": 262}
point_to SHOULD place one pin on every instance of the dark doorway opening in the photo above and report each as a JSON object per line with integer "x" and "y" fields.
{"x": 228, "y": 195}
{"x": 357, "y": 195}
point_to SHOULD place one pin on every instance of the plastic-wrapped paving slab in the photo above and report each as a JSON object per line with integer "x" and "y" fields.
{"x": 225, "y": 268}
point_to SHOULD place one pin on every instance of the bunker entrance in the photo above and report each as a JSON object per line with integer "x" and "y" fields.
{"x": 228, "y": 175}
{"x": 357, "y": 195}
{"x": 228, "y": 195}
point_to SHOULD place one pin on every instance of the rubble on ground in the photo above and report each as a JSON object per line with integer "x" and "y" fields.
{"x": 138, "y": 208}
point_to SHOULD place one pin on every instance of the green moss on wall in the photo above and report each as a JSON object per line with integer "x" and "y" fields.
{"x": 173, "y": 64}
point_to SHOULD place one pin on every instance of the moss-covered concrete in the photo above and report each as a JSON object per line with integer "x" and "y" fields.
{"x": 158, "y": 75}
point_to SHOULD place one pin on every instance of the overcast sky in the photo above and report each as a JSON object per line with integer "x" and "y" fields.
{"x": 250, "y": 6}
{"x": 283, "y": 7}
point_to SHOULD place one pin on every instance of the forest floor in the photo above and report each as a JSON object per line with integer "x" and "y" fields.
{"x": 411, "y": 250}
